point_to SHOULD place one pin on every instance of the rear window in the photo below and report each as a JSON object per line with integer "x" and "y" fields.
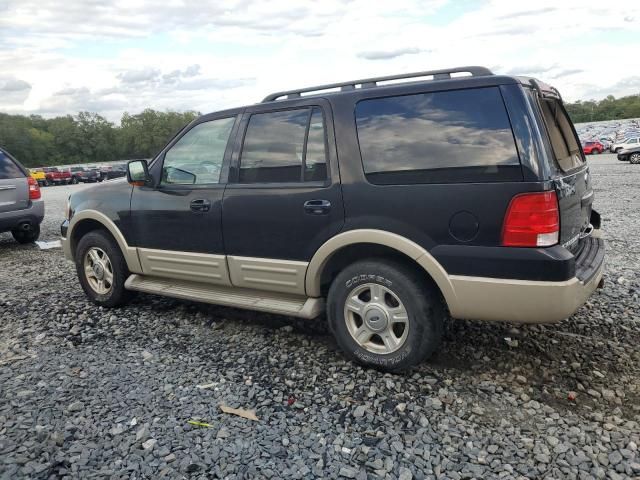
{"x": 440, "y": 137}
{"x": 8, "y": 169}
{"x": 564, "y": 143}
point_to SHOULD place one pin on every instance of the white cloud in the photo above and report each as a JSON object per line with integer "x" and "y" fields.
{"x": 207, "y": 55}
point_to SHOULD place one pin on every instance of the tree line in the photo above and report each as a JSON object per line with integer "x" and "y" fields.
{"x": 609, "y": 108}
{"x": 88, "y": 137}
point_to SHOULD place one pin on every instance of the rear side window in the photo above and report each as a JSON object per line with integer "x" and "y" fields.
{"x": 564, "y": 143}
{"x": 284, "y": 147}
{"x": 440, "y": 137}
{"x": 8, "y": 169}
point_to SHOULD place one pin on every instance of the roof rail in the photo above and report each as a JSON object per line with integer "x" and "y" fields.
{"x": 443, "y": 74}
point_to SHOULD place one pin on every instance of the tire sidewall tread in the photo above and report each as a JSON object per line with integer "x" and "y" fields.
{"x": 424, "y": 307}
{"x": 118, "y": 295}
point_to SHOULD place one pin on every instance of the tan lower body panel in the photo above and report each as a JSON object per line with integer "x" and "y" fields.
{"x": 275, "y": 275}
{"x": 519, "y": 301}
{"x": 200, "y": 267}
{"x": 279, "y": 303}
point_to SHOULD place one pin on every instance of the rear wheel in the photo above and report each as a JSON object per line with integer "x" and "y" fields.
{"x": 596, "y": 151}
{"x": 384, "y": 315}
{"x": 29, "y": 235}
{"x": 102, "y": 269}
{"x": 634, "y": 158}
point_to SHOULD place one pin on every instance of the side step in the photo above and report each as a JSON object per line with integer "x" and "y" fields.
{"x": 271, "y": 302}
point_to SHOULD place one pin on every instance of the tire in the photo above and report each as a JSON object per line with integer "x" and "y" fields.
{"x": 595, "y": 151}
{"x": 634, "y": 158}
{"x": 417, "y": 333}
{"x": 28, "y": 236}
{"x": 111, "y": 260}
{"x": 46, "y": 183}
{"x": 74, "y": 181}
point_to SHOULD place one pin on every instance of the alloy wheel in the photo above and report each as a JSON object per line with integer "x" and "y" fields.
{"x": 376, "y": 318}
{"x": 98, "y": 270}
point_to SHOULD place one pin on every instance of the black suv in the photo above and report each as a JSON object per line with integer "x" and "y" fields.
{"x": 463, "y": 193}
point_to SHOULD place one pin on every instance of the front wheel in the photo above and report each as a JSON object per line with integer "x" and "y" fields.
{"x": 102, "y": 269}
{"x": 74, "y": 181}
{"x": 384, "y": 315}
{"x": 634, "y": 158}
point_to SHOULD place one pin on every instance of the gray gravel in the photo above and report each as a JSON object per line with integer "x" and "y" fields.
{"x": 92, "y": 393}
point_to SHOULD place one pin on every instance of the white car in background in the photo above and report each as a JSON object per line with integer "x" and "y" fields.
{"x": 628, "y": 143}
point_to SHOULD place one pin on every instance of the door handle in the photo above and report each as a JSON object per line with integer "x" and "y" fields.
{"x": 200, "y": 205}
{"x": 317, "y": 207}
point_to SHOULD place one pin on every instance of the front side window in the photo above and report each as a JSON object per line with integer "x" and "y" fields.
{"x": 197, "y": 157}
{"x": 275, "y": 150}
{"x": 439, "y": 137}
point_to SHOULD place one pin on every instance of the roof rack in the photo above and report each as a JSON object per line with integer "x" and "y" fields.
{"x": 443, "y": 74}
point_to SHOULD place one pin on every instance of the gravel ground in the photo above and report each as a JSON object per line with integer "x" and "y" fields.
{"x": 92, "y": 393}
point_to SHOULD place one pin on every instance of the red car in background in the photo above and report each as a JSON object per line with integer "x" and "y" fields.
{"x": 592, "y": 147}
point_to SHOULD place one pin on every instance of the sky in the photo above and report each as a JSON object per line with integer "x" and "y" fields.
{"x": 61, "y": 57}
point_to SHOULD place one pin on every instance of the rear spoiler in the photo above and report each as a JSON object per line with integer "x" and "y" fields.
{"x": 545, "y": 90}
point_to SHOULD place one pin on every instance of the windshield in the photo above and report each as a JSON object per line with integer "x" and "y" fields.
{"x": 563, "y": 138}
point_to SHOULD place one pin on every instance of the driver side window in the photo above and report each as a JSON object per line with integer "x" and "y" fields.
{"x": 197, "y": 157}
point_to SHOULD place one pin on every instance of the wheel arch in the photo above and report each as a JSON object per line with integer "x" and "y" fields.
{"x": 366, "y": 243}
{"x": 89, "y": 220}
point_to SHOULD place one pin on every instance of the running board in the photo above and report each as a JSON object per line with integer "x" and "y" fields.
{"x": 271, "y": 302}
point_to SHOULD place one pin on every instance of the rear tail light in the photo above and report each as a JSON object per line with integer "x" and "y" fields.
{"x": 532, "y": 220}
{"x": 34, "y": 189}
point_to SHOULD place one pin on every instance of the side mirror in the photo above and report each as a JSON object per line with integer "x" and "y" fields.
{"x": 138, "y": 173}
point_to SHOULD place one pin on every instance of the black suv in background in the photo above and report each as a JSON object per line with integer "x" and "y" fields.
{"x": 390, "y": 205}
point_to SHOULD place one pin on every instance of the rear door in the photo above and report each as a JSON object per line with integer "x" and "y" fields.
{"x": 14, "y": 190}
{"x": 570, "y": 174}
{"x": 284, "y": 198}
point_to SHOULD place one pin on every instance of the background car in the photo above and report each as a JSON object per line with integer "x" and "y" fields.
{"x": 56, "y": 176}
{"x": 84, "y": 175}
{"x": 38, "y": 175}
{"x": 631, "y": 155}
{"x": 629, "y": 142}
{"x": 592, "y": 147}
{"x": 116, "y": 171}
{"x": 21, "y": 208}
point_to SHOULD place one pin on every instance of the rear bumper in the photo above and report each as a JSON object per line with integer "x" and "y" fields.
{"x": 34, "y": 215}
{"x": 528, "y": 301}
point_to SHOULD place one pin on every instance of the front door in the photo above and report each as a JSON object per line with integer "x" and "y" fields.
{"x": 176, "y": 223}
{"x": 284, "y": 198}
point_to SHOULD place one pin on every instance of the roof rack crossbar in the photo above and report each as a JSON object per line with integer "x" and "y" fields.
{"x": 373, "y": 82}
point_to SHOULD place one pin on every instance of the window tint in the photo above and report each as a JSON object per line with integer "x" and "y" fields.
{"x": 454, "y": 136}
{"x": 197, "y": 157}
{"x": 563, "y": 141}
{"x": 316, "y": 155}
{"x": 275, "y": 150}
{"x": 273, "y": 146}
{"x": 8, "y": 169}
